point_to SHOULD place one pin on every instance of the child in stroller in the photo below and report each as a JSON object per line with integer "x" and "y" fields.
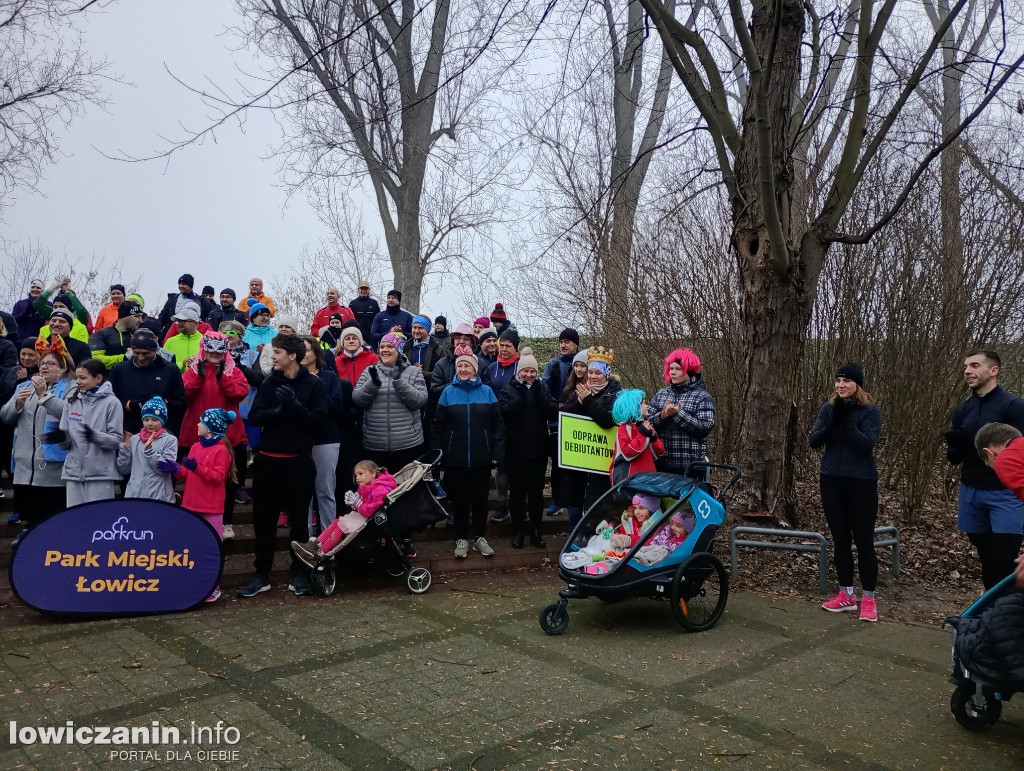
{"x": 373, "y": 487}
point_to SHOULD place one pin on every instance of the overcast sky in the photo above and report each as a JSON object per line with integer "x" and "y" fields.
{"x": 217, "y": 210}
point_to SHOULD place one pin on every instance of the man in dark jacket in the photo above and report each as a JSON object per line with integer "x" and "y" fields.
{"x": 143, "y": 376}
{"x": 365, "y": 308}
{"x": 29, "y": 320}
{"x": 990, "y": 515}
{"x": 392, "y": 316}
{"x": 110, "y": 343}
{"x": 441, "y": 333}
{"x": 556, "y": 376}
{"x": 290, "y": 407}
{"x": 176, "y": 301}
{"x": 421, "y": 349}
{"x": 227, "y": 311}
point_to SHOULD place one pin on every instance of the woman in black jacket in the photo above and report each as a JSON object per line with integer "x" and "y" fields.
{"x": 594, "y": 399}
{"x": 848, "y": 425}
{"x": 526, "y": 407}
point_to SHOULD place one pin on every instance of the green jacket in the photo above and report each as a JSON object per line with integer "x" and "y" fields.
{"x": 183, "y": 347}
{"x": 43, "y": 307}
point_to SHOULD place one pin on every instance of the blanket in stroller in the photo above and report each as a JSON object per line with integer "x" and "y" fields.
{"x": 990, "y": 644}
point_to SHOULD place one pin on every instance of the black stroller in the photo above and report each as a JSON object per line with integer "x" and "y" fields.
{"x": 982, "y": 636}
{"x": 411, "y": 507}
{"x": 689, "y": 576}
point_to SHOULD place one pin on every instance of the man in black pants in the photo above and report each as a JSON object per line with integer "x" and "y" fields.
{"x": 290, "y": 407}
{"x": 990, "y": 515}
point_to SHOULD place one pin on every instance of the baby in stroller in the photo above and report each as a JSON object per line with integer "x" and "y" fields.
{"x": 374, "y": 486}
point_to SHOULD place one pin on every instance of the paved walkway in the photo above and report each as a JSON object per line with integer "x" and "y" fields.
{"x": 463, "y": 677}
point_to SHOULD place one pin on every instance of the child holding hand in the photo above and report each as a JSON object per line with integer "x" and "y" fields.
{"x": 207, "y": 469}
{"x": 141, "y": 454}
{"x": 374, "y": 485}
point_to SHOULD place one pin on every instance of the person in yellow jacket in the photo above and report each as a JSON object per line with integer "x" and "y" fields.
{"x": 185, "y": 344}
{"x": 110, "y": 343}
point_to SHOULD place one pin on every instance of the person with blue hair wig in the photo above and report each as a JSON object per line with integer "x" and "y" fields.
{"x": 637, "y": 445}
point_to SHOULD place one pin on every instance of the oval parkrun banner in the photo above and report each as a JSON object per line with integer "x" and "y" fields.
{"x": 116, "y": 558}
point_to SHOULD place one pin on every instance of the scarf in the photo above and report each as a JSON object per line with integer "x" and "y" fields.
{"x": 509, "y": 361}
{"x": 209, "y": 441}
{"x": 145, "y": 435}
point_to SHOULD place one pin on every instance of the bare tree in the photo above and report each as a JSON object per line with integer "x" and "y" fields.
{"x": 789, "y": 196}
{"x": 46, "y": 80}
{"x": 381, "y": 91}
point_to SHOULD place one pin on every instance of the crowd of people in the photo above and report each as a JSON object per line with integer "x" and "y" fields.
{"x": 322, "y": 411}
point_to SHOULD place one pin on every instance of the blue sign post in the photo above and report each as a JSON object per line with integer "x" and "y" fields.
{"x": 116, "y": 558}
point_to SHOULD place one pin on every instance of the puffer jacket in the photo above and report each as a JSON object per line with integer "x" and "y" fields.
{"x": 145, "y": 480}
{"x": 467, "y": 425}
{"x": 38, "y": 415}
{"x": 95, "y": 459}
{"x": 372, "y": 496}
{"x": 526, "y": 412}
{"x": 849, "y": 437}
{"x": 989, "y": 645}
{"x": 391, "y": 410}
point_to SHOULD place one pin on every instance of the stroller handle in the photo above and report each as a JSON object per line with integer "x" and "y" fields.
{"x": 737, "y": 472}
{"x": 431, "y": 457}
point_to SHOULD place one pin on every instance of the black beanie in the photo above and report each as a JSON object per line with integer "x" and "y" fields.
{"x": 852, "y": 371}
{"x": 441, "y": 320}
{"x": 512, "y": 336}
{"x": 187, "y": 280}
{"x": 570, "y": 334}
{"x": 207, "y": 289}
{"x": 230, "y": 292}
{"x": 396, "y": 293}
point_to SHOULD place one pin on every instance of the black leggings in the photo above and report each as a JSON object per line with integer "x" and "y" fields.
{"x": 997, "y": 553}
{"x": 526, "y": 492}
{"x": 851, "y": 508}
{"x": 467, "y": 490}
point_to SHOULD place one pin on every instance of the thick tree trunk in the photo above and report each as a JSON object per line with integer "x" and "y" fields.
{"x": 776, "y": 291}
{"x": 406, "y": 260}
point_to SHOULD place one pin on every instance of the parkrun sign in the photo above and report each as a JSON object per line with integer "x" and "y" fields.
{"x": 113, "y": 558}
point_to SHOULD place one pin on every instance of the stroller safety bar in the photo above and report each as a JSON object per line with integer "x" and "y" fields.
{"x": 820, "y": 546}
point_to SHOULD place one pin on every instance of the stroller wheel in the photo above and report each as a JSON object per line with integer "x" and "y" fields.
{"x": 418, "y": 580}
{"x": 699, "y": 592}
{"x": 972, "y": 715}
{"x": 554, "y": 619}
{"x": 324, "y": 579}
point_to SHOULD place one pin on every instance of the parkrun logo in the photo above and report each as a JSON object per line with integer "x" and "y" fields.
{"x": 119, "y": 532}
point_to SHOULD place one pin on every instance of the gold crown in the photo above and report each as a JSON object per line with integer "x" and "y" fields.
{"x": 601, "y": 354}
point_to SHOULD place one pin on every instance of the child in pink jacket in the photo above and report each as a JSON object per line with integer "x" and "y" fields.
{"x": 374, "y": 485}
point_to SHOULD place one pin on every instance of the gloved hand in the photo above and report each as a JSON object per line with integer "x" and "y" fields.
{"x": 190, "y": 463}
{"x": 89, "y": 432}
{"x": 285, "y": 394}
{"x": 167, "y": 466}
{"x": 351, "y": 496}
{"x": 374, "y": 374}
{"x": 839, "y": 411}
{"x": 220, "y": 367}
{"x": 54, "y": 437}
{"x": 201, "y": 368}
{"x": 958, "y": 438}
{"x": 648, "y": 432}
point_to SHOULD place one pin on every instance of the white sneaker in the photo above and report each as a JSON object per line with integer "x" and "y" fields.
{"x": 229, "y": 532}
{"x": 481, "y": 545}
{"x": 461, "y": 548}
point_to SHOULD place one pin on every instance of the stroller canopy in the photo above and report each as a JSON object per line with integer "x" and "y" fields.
{"x": 658, "y": 484}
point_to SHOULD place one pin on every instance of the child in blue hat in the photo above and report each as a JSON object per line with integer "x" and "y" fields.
{"x": 142, "y": 453}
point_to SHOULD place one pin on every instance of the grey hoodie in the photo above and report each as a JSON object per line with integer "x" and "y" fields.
{"x": 96, "y": 460}
{"x": 146, "y": 481}
{"x": 30, "y": 467}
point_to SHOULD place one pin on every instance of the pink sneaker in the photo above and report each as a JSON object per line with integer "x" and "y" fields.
{"x": 868, "y": 611}
{"x": 839, "y": 603}
{"x": 214, "y": 595}
{"x": 282, "y": 520}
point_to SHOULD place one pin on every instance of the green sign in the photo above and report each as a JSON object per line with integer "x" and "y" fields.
{"x": 583, "y": 445}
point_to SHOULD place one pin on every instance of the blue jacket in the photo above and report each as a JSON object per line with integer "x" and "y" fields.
{"x": 387, "y": 318}
{"x": 467, "y": 425}
{"x": 849, "y": 436}
{"x": 997, "y": 406}
{"x": 498, "y": 376}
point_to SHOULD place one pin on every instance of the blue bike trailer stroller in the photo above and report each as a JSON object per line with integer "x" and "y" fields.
{"x": 693, "y": 580}
{"x": 988, "y": 655}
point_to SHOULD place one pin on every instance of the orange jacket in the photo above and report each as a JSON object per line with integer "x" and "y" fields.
{"x": 106, "y": 317}
{"x": 261, "y": 298}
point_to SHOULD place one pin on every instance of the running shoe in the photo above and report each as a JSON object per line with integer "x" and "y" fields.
{"x": 868, "y": 609}
{"x": 840, "y": 602}
{"x": 481, "y": 545}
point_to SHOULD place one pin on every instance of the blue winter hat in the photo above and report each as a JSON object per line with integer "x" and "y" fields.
{"x": 627, "y": 406}
{"x": 256, "y": 307}
{"x": 217, "y": 420}
{"x": 423, "y": 321}
{"x": 155, "y": 407}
